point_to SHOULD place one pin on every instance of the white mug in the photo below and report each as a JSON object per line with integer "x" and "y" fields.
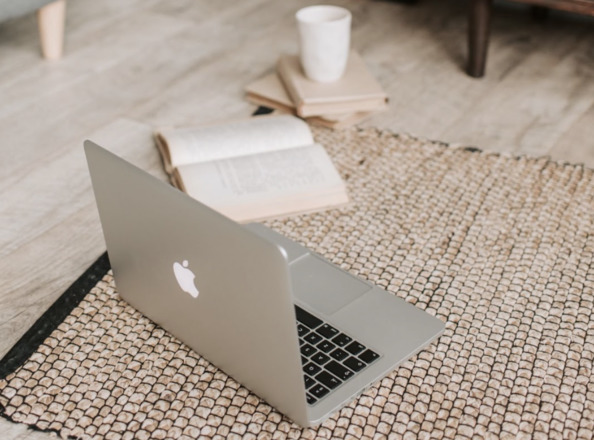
{"x": 325, "y": 33}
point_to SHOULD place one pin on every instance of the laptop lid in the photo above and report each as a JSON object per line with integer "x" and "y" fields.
{"x": 216, "y": 286}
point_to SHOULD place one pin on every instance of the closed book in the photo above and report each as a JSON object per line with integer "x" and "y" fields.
{"x": 356, "y": 91}
{"x": 270, "y": 92}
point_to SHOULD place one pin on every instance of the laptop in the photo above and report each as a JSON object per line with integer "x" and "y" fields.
{"x": 301, "y": 333}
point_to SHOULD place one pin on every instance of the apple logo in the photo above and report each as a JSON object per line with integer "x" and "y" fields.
{"x": 185, "y": 278}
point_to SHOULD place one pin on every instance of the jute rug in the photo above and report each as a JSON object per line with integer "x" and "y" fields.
{"x": 498, "y": 248}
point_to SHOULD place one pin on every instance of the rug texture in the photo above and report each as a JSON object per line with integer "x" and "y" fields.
{"x": 498, "y": 248}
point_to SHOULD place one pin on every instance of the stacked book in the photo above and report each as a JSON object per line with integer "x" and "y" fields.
{"x": 353, "y": 98}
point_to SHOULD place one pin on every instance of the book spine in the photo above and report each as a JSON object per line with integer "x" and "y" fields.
{"x": 163, "y": 148}
{"x": 285, "y": 78}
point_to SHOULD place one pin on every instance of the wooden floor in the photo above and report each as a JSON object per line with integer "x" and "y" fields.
{"x": 138, "y": 64}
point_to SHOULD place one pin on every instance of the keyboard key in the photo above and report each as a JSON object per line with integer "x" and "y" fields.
{"x": 354, "y": 347}
{"x": 326, "y": 346}
{"x": 303, "y": 360}
{"x": 339, "y": 354}
{"x": 302, "y": 330}
{"x": 311, "y": 369}
{"x": 338, "y": 370}
{"x": 368, "y": 356}
{"x": 318, "y": 391}
{"x": 311, "y": 399}
{"x": 307, "y": 318}
{"x": 328, "y": 331}
{"x": 341, "y": 340}
{"x": 327, "y": 379}
{"x": 308, "y": 350}
{"x": 320, "y": 358}
{"x": 313, "y": 338}
{"x": 309, "y": 382}
{"x": 354, "y": 364}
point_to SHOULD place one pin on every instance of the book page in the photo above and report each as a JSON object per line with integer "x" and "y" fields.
{"x": 237, "y": 138}
{"x": 273, "y": 177}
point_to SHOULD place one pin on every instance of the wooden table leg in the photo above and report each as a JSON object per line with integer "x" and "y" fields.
{"x": 50, "y": 19}
{"x": 479, "y": 22}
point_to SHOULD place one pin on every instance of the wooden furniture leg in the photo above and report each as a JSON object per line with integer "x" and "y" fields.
{"x": 479, "y": 22}
{"x": 50, "y": 20}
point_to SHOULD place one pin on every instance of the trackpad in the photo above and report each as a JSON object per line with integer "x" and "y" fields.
{"x": 324, "y": 286}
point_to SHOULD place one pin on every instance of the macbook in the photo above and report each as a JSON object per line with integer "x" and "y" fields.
{"x": 301, "y": 333}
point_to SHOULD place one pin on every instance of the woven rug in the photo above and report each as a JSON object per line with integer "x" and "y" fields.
{"x": 498, "y": 248}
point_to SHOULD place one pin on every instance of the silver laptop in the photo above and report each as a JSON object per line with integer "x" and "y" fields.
{"x": 298, "y": 331}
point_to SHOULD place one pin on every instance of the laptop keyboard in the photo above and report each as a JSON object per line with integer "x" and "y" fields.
{"x": 329, "y": 357}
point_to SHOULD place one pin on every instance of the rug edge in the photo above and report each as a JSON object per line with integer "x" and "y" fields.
{"x": 53, "y": 316}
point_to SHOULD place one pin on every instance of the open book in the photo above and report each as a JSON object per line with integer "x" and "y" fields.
{"x": 263, "y": 167}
